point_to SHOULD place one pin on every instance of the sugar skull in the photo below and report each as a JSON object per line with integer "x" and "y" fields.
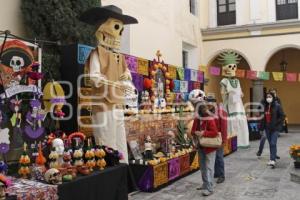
{"x": 229, "y": 61}
{"x": 17, "y": 63}
{"x": 53, "y": 176}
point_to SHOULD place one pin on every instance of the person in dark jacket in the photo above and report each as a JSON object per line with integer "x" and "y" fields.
{"x": 205, "y": 126}
{"x": 220, "y": 116}
{"x": 271, "y": 123}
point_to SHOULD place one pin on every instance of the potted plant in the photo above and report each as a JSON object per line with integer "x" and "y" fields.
{"x": 295, "y": 154}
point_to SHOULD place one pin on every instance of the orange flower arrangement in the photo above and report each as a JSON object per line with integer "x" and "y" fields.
{"x": 295, "y": 152}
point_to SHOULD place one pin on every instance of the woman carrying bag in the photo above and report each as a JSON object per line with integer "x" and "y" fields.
{"x": 205, "y": 127}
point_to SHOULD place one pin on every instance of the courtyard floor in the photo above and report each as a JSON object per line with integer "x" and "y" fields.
{"x": 247, "y": 177}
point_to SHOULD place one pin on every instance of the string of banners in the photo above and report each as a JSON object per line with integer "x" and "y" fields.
{"x": 254, "y": 75}
{"x": 184, "y": 79}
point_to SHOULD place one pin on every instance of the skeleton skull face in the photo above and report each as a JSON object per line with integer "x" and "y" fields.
{"x": 17, "y": 63}
{"x": 53, "y": 176}
{"x": 196, "y": 96}
{"x": 229, "y": 70}
{"x": 58, "y": 144}
{"x": 109, "y": 33}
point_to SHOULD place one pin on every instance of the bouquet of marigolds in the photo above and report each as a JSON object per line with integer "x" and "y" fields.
{"x": 295, "y": 152}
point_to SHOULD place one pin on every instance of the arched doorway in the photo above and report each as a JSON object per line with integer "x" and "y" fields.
{"x": 213, "y": 84}
{"x": 287, "y": 91}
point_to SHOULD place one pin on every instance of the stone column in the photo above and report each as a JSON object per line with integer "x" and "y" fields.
{"x": 257, "y": 91}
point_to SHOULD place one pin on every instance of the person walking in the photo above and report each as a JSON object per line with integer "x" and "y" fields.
{"x": 271, "y": 123}
{"x": 205, "y": 126}
{"x": 220, "y": 117}
{"x": 263, "y": 133}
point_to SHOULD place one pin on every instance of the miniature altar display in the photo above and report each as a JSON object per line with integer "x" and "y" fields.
{"x": 109, "y": 75}
{"x": 232, "y": 99}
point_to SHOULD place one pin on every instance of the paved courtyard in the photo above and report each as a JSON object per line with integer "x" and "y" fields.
{"x": 247, "y": 177}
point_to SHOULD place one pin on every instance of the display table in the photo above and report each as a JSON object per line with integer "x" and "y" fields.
{"x": 152, "y": 178}
{"x": 23, "y": 189}
{"x": 109, "y": 184}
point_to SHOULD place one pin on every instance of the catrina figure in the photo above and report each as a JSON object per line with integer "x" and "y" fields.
{"x": 16, "y": 120}
{"x": 109, "y": 74}
{"x": 34, "y": 118}
{"x": 232, "y": 99}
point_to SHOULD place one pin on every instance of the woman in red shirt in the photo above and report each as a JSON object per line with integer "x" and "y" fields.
{"x": 205, "y": 126}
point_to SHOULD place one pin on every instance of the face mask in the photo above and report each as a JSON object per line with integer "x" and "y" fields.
{"x": 269, "y": 100}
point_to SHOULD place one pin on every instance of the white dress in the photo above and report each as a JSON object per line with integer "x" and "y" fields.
{"x": 237, "y": 120}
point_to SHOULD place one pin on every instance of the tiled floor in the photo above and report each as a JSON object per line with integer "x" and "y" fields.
{"x": 247, "y": 178}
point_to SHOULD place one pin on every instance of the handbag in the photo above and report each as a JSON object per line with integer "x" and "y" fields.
{"x": 215, "y": 142}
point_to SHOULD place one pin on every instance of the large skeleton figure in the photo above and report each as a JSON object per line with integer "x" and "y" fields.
{"x": 110, "y": 76}
{"x": 232, "y": 99}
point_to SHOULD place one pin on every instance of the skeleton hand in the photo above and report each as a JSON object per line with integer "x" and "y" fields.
{"x": 98, "y": 80}
{"x": 125, "y": 76}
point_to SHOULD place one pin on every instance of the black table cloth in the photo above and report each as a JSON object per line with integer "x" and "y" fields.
{"x": 109, "y": 184}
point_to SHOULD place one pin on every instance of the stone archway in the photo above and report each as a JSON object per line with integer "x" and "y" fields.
{"x": 213, "y": 85}
{"x": 287, "y": 91}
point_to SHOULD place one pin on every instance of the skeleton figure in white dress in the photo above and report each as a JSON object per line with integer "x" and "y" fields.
{"x": 232, "y": 99}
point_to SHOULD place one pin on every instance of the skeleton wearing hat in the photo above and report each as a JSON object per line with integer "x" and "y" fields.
{"x": 109, "y": 75}
{"x": 232, "y": 99}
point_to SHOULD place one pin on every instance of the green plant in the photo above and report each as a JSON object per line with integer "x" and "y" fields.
{"x": 57, "y": 21}
{"x": 181, "y": 130}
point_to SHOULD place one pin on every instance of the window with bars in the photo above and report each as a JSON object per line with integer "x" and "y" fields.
{"x": 286, "y": 9}
{"x": 226, "y": 12}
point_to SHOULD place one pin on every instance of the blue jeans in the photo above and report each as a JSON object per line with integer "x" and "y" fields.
{"x": 207, "y": 163}
{"x": 272, "y": 139}
{"x": 219, "y": 164}
{"x": 262, "y": 143}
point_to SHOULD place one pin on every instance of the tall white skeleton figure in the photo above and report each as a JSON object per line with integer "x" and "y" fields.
{"x": 110, "y": 77}
{"x": 232, "y": 99}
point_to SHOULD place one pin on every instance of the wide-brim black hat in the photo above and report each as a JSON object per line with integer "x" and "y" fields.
{"x": 98, "y": 15}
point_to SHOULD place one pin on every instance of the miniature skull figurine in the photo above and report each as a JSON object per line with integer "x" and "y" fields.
{"x": 16, "y": 63}
{"x": 53, "y": 176}
{"x": 109, "y": 33}
{"x": 59, "y": 146}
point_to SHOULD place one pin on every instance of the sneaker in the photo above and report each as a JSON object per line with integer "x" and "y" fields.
{"x": 206, "y": 193}
{"x": 200, "y": 188}
{"x": 258, "y": 154}
{"x": 271, "y": 163}
{"x": 220, "y": 180}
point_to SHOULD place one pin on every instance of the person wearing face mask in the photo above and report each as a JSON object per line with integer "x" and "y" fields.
{"x": 271, "y": 123}
{"x": 205, "y": 126}
{"x": 220, "y": 116}
{"x": 274, "y": 92}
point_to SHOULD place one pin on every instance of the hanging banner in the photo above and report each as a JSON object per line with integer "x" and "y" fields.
{"x": 252, "y": 75}
{"x": 172, "y": 70}
{"x": 264, "y": 75}
{"x": 180, "y": 73}
{"x": 194, "y": 75}
{"x": 240, "y": 73}
{"x": 187, "y": 74}
{"x": 203, "y": 68}
{"x": 143, "y": 66}
{"x": 131, "y": 62}
{"x": 200, "y": 76}
{"x": 176, "y": 86}
{"x": 291, "y": 77}
{"x": 191, "y": 86}
{"x": 215, "y": 71}
{"x": 183, "y": 86}
{"x": 278, "y": 76}
{"x": 138, "y": 81}
{"x": 197, "y": 85}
